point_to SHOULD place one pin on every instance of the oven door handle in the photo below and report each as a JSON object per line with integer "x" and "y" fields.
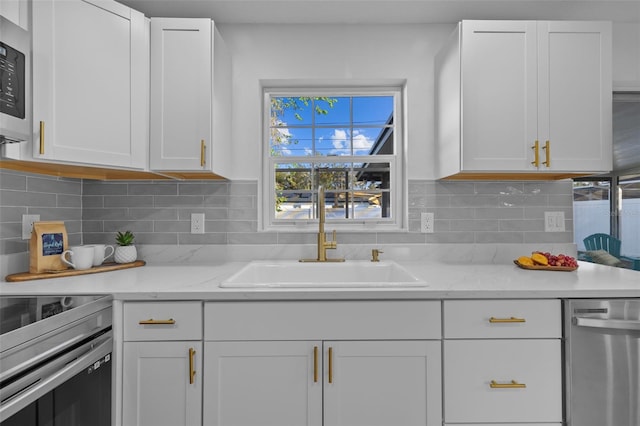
{"x": 41, "y": 387}
{"x": 607, "y": 323}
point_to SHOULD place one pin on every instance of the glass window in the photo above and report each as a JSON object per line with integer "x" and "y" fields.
{"x": 345, "y": 141}
{"x": 629, "y": 215}
{"x": 591, "y": 209}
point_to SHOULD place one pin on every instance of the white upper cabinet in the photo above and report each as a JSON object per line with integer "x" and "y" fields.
{"x": 524, "y": 98}
{"x": 90, "y": 83}
{"x": 190, "y": 97}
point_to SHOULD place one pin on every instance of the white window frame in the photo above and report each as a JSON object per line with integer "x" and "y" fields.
{"x": 397, "y": 162}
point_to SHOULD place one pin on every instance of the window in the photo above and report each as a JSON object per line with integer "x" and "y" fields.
{"x": 348, "y": 142}
{"x": 600, "y": 207}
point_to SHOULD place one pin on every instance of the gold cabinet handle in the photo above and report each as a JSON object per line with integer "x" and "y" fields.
{"x": 536, "y": 154}
{"x": 547, "y": 153}
{"x": 42, "y": 138}
{"x": 494, "y": 320}
{"x": 511, "y": 385}
{"x": 330, "y": 365}
{"x": 192, "y": 371}
{"x": 315, "y": 364}
{"x": 203, "y": 149}
{"x": 152, "y": 321}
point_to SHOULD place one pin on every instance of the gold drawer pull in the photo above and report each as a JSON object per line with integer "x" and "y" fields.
{"x": 330, "y": 364}
{"x": 512, "y": 385}
{"x": 152, "y": 321}
{"x": 547, "y": 154}
{"x": 41, "y": 151}
{"x": 536, "y": 154}
{"x": 203, "y": 149}
{"x": 315, "y": 364}
{"x": 494, "y": 320}
{"x": 192, "y": 371}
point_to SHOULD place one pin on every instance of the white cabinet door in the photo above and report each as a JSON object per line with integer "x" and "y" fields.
{"x": 503, "y": 381}
{"x": 181, "y": 93}
{"x": 524, "y": 97}
{"x": 575, "y": 91}
{"x": 190, "y": 97}
{"x": 263, "y": 383}
{"x": 90, "y": 74}
{"x": 162, "y": 384}
{"x": 499, "y": 95}
{"x": 382, "y": 383}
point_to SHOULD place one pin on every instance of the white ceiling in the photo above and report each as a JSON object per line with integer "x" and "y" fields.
{"x": 387, "y": 11}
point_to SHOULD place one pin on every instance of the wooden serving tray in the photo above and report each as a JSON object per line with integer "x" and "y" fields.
{"x": 546, "y": 268}
{"x": 28, "y": 276}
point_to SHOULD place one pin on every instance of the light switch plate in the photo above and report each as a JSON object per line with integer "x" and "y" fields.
{"x": 553, "y": 221}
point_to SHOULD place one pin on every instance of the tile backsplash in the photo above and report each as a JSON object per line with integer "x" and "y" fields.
{"x": 159, "y": 212}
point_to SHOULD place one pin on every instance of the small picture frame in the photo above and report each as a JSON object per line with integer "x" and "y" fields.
{"x": 48, "y": 242}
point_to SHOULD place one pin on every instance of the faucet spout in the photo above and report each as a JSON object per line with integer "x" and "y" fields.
{"x": 323, "y": 244}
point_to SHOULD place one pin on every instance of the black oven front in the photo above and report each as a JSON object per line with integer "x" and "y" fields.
{"x": 56, "y": 369}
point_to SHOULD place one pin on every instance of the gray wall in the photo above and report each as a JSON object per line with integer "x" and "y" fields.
{"x": 52, "y": 198}
{"x": 159, "y": 212}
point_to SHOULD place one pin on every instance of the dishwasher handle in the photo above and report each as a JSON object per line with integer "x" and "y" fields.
{"x": 616, "y": 324}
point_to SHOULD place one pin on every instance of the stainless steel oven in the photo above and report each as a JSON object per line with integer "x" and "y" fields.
{"x": 55, "y": 361}
{"x": 603, "y": 362}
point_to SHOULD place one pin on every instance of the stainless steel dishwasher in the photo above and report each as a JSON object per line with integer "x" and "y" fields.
{"x": 603, "y": 363}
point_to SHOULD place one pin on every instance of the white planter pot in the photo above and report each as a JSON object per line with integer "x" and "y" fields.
{"x": 125, "y": 254}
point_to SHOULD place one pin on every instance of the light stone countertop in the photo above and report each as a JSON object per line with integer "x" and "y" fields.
{"x": 446, "y": 280}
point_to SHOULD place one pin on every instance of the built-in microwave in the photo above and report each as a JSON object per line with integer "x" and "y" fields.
{"x": 15, "y": 116}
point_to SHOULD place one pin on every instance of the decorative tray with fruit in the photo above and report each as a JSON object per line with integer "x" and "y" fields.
{"x": 547, "y": 262}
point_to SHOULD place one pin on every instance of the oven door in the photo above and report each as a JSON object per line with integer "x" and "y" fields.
{"x": 73, "y": 389}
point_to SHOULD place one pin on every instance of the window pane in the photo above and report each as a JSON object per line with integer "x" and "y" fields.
{"x": 333, "y": 175}
{"x": 367, "y": 140}
{"x": 591, "y": 209}
{"x": 372, "y": 110}
{"x": 291, "y": 111}
{"x": 630, "y": 216}
{"x": 332, "y": 111}
{"x": 333, "y": 141}
{"x": 287, "y": 142}
{"x": 367, "y": 204}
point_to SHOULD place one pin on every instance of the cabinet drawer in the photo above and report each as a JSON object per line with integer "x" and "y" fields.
{"x": 311, "y": 320}
{"x": 163, "y": 321}
{"x": 471, "y": 366}
{"x": 497, "y": 319}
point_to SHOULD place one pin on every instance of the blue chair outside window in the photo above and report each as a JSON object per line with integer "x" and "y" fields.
{"x": 611, "y": 245}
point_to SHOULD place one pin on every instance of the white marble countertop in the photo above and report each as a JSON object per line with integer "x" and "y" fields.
{"x": 197, "y": 281}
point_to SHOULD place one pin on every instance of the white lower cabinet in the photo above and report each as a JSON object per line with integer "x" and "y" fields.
{"x": 162, "y": 384}
{"x": 162, "y": 364}
{"x": 503, "y": 381}
{"x": 318, "y": 381}
{"x": 382, "y": 383}
{"x": 345, "y": 383}
{"x": 506, "y": 368}
{"x": 342, "y": 363}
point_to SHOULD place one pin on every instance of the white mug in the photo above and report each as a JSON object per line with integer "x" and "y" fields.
{"x": 99, "y": 253}
{"x": 81, "y": 257}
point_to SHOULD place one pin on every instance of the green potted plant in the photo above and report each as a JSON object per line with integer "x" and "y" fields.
{"x": 125, "y": 251}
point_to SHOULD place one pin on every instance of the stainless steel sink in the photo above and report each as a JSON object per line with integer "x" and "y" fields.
{"x": 291, "y": 273}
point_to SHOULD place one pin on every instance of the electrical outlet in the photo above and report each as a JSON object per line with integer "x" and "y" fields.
{"x": 553, "y": 221}
{"x": 426, "y": 222}
{"x": 197, "y": 223}
{"x": 27, "y": 224}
